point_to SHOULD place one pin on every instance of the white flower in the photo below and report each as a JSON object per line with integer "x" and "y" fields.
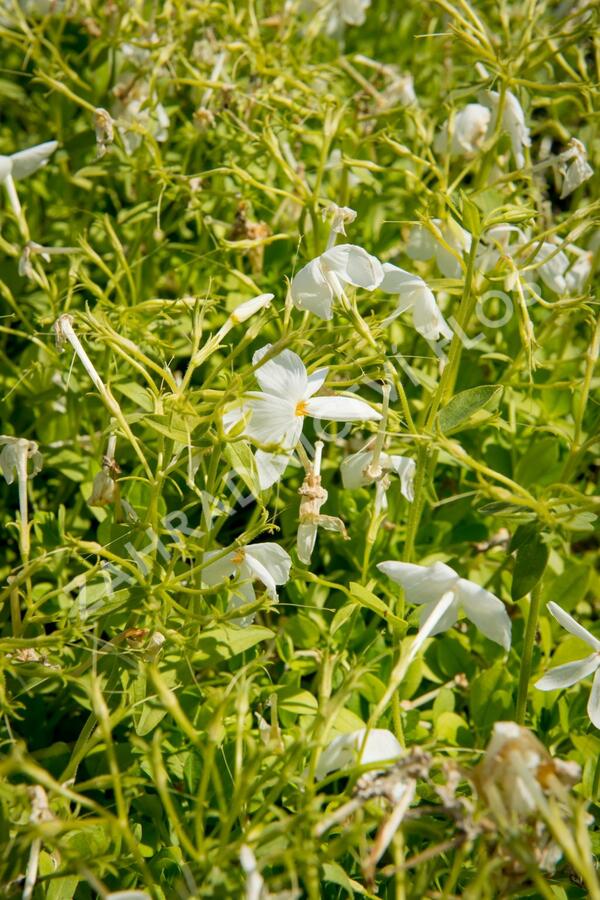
{"x": 276, "y": 415}
{"x": 349, "y": 750}
{"x": 15, "y": 456}
{"x": 513, "y": 121}
{"x": 20, "y": 165}
{"x": 552, "y": 264}
{"x": 249, "y": 307}
{"x": 345, "y": 12}
{"x": 26, "y": 162}
{"x": 358, "y": 470}
{"x": 313, "y": 496}
{"x": 574, "y": 167}
{"x": 570, "y": 673}
{"x": 580, "y": 270}
{"x": 469, "y": 130}
{"x": 427, "y": 585}
{"x": 423, "y": 245}
{"x": 316, "y": 285}
{"x": 268, "y": 563}
{"x": 414, "y": 294}
{"x": 517, "y": 770}
{"x": 140, "y": 112}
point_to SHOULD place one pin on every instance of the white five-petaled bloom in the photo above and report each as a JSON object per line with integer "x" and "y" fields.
{"x": 429, "y": 585}
{"x": 268, "y": 563}
{"x": 570, "y": 673}
{"x": 574, "y": 167}
{"x": 414, "y": 294}
{"x": 448, "y": 245}
{"x": 352, "y": 749}
{"x": 316, "y": 285}
{"x": 359, "y": 470}
{"x": 276, "y": 414}
{"x": 468, "y": 131}
{"x": 513, "y": 121}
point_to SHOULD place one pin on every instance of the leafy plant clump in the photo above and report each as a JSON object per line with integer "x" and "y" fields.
{"x": 299, "y": 445}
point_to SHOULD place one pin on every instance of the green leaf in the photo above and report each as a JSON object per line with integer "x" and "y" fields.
{"x": 532, "y": 557}
{"x": 224, "y": 641}
{"x": 137, "y": 394}
{"x": 366, "y": 598}
{"x": 465, "y": 404}
{"x": 241, "y": 459}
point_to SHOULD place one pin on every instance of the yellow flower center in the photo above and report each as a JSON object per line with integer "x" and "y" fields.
{"x": 301, "y": 408}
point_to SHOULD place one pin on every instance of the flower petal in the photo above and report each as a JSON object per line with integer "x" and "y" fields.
{"x": 353, "y": 265}
{"x": 315, "y": 381}
{"x": 399, "y": 281}
{"x": 310, "y": 290}
{"x": 421, "y": 243}
{"x": 284, "y": 376}
{"x": 341, "y": 409}
{"x": 270, "y": 467}
{"x": 271, "y": 418}
{"x": 220, "y": 570}
{"x": 568, "y": 674}
{"x": 353, "y": 468}
{"x": 422, "y": 584}
{"x": 305, "y": 541}
{"x": 573, "y": 627}
{"x": 427, "y": 317}
{"x": 486, "y": 611}
{"x": 434, "y": 618}
{"x": 272, "y": 557}
{"x": 405, "y": 468}
{"x": 354, "y": 748}
{"x": 25, "y": 162}
{"x": 593, "y": 706}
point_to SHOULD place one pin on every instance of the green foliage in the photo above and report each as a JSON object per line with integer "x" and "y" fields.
{"x": 155, "y": 726}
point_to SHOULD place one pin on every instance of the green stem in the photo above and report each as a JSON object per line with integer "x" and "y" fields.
{"x": 526, "y": 657}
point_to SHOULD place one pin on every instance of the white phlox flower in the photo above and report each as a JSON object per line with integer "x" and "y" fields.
{"x": 267, "y": 562}
{"x": 570, "y": 673}
{"x": 312, "y": 497}
{"x": 517, "y": 771}
{"x": 344, "y": 12}
{"x": 322, "y": 280}
{"x": 276, "y": 414}
{"x": 448, "y": 246}
{"x": 468, "y": 130}
{"x": 352, "y": 749}
{"x": 360, "y": 470}
{"x": 20, "y": 165}
{"x": 428, "y": 585}
{"x": 140, "y": 112}
{"x": 574, "y": 167}
{"x": 513, "y": 121}
{"x": 414, "y": 295}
